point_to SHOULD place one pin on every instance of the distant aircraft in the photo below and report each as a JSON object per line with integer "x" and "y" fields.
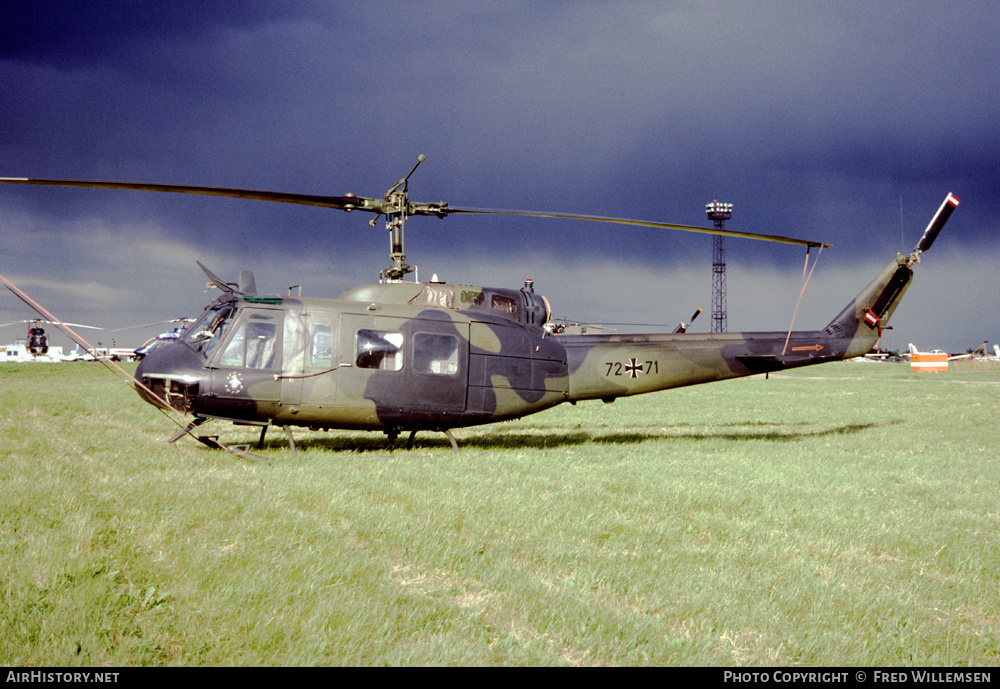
{"x": 35, "y": 347}
{"x": 980, "y": 352}
{"x": 160, "y": 341}
{"x": 153, "y": 343}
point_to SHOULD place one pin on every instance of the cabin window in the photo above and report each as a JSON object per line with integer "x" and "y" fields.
{"x": 206, "y": 334}
{"x": 235, "y": 353}
{"x": 380, "y": 349}
{"x": 503, "y": 304}
{"x": 472, "y": 297}
{"x": 253, "y": 343}
{"x": 321, "y": 345}
{"x": 435, "y": 353}
{"x": 435, "y": 294}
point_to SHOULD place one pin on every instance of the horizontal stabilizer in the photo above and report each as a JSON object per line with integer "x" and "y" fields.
{"x": 937, "y": 222}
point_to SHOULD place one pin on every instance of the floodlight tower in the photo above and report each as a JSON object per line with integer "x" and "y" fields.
{"x": 720, "y": 213}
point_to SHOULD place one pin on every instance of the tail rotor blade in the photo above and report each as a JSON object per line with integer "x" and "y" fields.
{"x": 937, "y": 222}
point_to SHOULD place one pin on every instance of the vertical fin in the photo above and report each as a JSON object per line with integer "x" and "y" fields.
{"x": 876, "y": 303}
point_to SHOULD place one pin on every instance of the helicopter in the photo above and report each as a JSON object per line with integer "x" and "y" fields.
{"x": 36, "y": 345}
{"x": 38, "y": 341}
{"x": 400, "y": 356}
{"x": 155, "y": 342}
{"x": 161, "y": 340}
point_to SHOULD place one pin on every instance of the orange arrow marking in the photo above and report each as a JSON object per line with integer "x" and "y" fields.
{"x": 813, "y": 348}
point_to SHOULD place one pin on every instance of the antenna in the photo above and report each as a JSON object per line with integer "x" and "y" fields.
{"x": 902, "y": 236}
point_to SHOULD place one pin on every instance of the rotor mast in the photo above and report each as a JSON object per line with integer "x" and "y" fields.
{"x": 396, "y": 209}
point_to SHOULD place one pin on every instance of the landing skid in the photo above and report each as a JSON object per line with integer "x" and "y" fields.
{"x": 394, "y": 433}
{"x": 212, "y": 441}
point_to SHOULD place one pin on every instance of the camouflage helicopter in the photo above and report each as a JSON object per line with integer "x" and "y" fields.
{"x": 401, "y": 356}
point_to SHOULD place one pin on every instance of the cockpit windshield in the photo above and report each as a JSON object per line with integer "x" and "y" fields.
{"x": 206, "y": 334}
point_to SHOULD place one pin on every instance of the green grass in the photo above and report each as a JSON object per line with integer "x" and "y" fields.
{"x": 846, "y": 514}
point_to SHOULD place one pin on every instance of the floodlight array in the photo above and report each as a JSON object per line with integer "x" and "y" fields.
{"x": 719, "y": 211}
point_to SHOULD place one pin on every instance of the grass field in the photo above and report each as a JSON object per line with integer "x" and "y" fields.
{"x": 847, "y": 514}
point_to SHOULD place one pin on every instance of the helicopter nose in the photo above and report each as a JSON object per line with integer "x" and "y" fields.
{"x": 172, "y": 377}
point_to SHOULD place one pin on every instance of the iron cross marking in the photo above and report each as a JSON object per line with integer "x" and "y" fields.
{"x": 633, "y": 369}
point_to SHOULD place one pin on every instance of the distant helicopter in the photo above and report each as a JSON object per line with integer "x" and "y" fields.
{"x": 159, "y": 341}
{"x": 36, "y": 344}
{"x": 404, "y": 356}
{"x": 38, "y": 341}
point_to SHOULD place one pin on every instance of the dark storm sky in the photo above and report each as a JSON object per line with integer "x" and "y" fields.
{"x": 844, "y": 122}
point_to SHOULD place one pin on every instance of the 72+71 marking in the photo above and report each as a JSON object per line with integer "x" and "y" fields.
{"x": 633, "y": 368}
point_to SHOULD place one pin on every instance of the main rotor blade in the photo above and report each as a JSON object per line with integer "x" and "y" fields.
{"x": 641, "y": 223}
{"x": 347, "y": 202}
{"x": 48, "y": 322}
{"x": 150, "y": 325}
{"x": 217, "y": 281}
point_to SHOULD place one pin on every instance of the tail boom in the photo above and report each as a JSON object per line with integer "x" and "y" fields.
{"x": 610, "y": 366}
